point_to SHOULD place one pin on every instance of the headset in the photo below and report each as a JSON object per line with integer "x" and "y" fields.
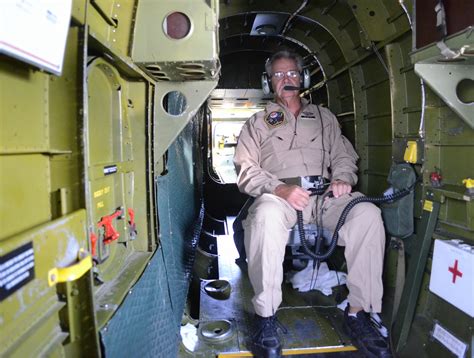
{"x": 305, "y": 81}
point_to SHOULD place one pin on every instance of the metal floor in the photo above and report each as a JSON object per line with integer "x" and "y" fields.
{"x": 313, "y": 321}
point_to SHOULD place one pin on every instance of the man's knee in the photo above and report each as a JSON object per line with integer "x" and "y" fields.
{"x": 365, "y": 219}
{"x": 266, "y": 208}
{"x": 368, "y": 213}
{"x": 268, "y": 222}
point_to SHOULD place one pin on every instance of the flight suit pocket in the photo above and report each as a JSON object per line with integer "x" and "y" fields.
{"x": 272, "y": 151}
{"x": 316, "y": 157}
{"x": 314, "y": 149}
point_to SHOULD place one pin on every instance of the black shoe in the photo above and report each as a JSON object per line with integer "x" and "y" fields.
{"x": 265, "y": 340}
{"x": 365, "y": 336}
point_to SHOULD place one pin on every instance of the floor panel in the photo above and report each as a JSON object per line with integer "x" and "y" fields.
{"x": 312, "y": 320}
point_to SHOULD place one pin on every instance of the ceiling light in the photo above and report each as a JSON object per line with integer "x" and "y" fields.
{"x": 266, "y": 29}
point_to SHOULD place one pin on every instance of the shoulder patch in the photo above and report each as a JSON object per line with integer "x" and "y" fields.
{"x": 275, "y": 119}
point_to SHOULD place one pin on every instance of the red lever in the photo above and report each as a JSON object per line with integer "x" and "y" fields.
{"x": 110, "y": 233}
{"x": 93, "y": 244}
{"x": 133, "y": 227}
{"x": 131, "y": 214}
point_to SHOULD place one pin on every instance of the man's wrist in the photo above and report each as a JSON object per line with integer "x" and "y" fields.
{"x": 341, "y": 180}
{"x": 278, "y": 188}
{"x": 274, "y": 186}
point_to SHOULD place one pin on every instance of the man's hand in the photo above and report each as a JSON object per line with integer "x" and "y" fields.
{"x": 339, "y": 187}
{"x": 295, "y": 195}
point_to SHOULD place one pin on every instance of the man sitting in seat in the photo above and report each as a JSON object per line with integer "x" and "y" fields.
{"x": 293, "y": 138}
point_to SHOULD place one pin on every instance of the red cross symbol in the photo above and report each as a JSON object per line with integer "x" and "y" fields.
{"x": 454, "y": 270}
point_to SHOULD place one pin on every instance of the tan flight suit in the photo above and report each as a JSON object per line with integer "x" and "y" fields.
{"x": 273, "y": 145}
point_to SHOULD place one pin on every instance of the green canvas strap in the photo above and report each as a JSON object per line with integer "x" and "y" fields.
{"x": 397, "y": 244}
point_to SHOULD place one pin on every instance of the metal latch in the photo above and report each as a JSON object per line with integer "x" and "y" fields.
{"x": 73, "y": 272}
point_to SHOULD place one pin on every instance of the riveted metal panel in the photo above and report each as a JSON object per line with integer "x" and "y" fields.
{"x": 148, "y": 322}
{"x": 24, "y": 122}
{"x": 117, "y": 117}
{"x": 78, "y": 11}
{"x": 168, "y": 125}
{"x": 66, "y": 161}
{"x": 375, "y": 18}
{"x": 30, "y": 316}
{"x": 40, "y": 137}
{"x": 193, "y": 57}
{"x": 405, "y": 88}
{"x": 110, "y": 22}
{"x": 139, "y": 120}
{"x": 108, "y": 138}
{"x": 23, "y": 177}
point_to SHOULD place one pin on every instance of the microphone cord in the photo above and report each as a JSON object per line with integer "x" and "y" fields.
{"x": 332, "y": 246}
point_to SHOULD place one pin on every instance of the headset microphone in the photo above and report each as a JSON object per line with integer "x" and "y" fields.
{"x": 305, "y": 82}
{"x": 291, "y": 88}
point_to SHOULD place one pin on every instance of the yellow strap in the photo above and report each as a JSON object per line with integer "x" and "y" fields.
{"x": 400, "y": 277}
{"x": 73, "y": 272}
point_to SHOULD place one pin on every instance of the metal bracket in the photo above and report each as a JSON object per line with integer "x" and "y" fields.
{"x": 416, "y": 267}
{"x": 168, "y": 126}
{"x": 449, "y": 80}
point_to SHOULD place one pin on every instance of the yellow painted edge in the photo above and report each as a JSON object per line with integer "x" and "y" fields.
{"x": 290, "y": 352}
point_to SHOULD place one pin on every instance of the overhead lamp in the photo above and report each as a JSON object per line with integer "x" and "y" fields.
{"x": 266, "y": 29}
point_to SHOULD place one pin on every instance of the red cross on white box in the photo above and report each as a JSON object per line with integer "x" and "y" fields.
{"x": 454, "y": 270}
{"x": 452, "y": 274}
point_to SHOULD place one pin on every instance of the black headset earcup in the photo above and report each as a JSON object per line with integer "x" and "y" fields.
{"x": 266, "y": 84}
{"x": 305, "y": 78}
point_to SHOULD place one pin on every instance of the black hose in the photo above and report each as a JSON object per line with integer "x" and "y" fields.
{"x": 332, "y": 246}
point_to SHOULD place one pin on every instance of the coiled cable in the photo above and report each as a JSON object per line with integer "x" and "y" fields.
{"x": 332, "y": 246}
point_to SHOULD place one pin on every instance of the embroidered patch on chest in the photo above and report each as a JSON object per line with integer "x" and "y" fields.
{"x": 307, "y": 115}
{"x": 275, "y": 119}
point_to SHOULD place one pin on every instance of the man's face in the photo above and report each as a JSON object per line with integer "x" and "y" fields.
{"x": 287, "y": 67}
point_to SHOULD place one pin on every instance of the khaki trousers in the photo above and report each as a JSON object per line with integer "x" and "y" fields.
{"x": 267, "y": 231}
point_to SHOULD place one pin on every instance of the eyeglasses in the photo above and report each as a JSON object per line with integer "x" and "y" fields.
{"x": 290, "y": 73}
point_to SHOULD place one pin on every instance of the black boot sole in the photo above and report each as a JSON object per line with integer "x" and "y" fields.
{"x": 356, "y": 342}
{"x": 261, "y": 352}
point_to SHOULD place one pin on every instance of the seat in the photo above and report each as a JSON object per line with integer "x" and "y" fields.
{"x": 294, "y": 250}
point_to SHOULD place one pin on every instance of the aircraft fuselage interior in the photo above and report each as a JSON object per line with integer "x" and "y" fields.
{"x": 120, "y": 212}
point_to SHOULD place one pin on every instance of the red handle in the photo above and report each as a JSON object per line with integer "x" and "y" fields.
{"x": 110, "y": 233}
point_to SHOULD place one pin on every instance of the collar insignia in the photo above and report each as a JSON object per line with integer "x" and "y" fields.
{"x": 275, "y": 119}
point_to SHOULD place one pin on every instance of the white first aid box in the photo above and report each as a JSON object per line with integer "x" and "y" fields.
{"x": 452, "y": 274}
